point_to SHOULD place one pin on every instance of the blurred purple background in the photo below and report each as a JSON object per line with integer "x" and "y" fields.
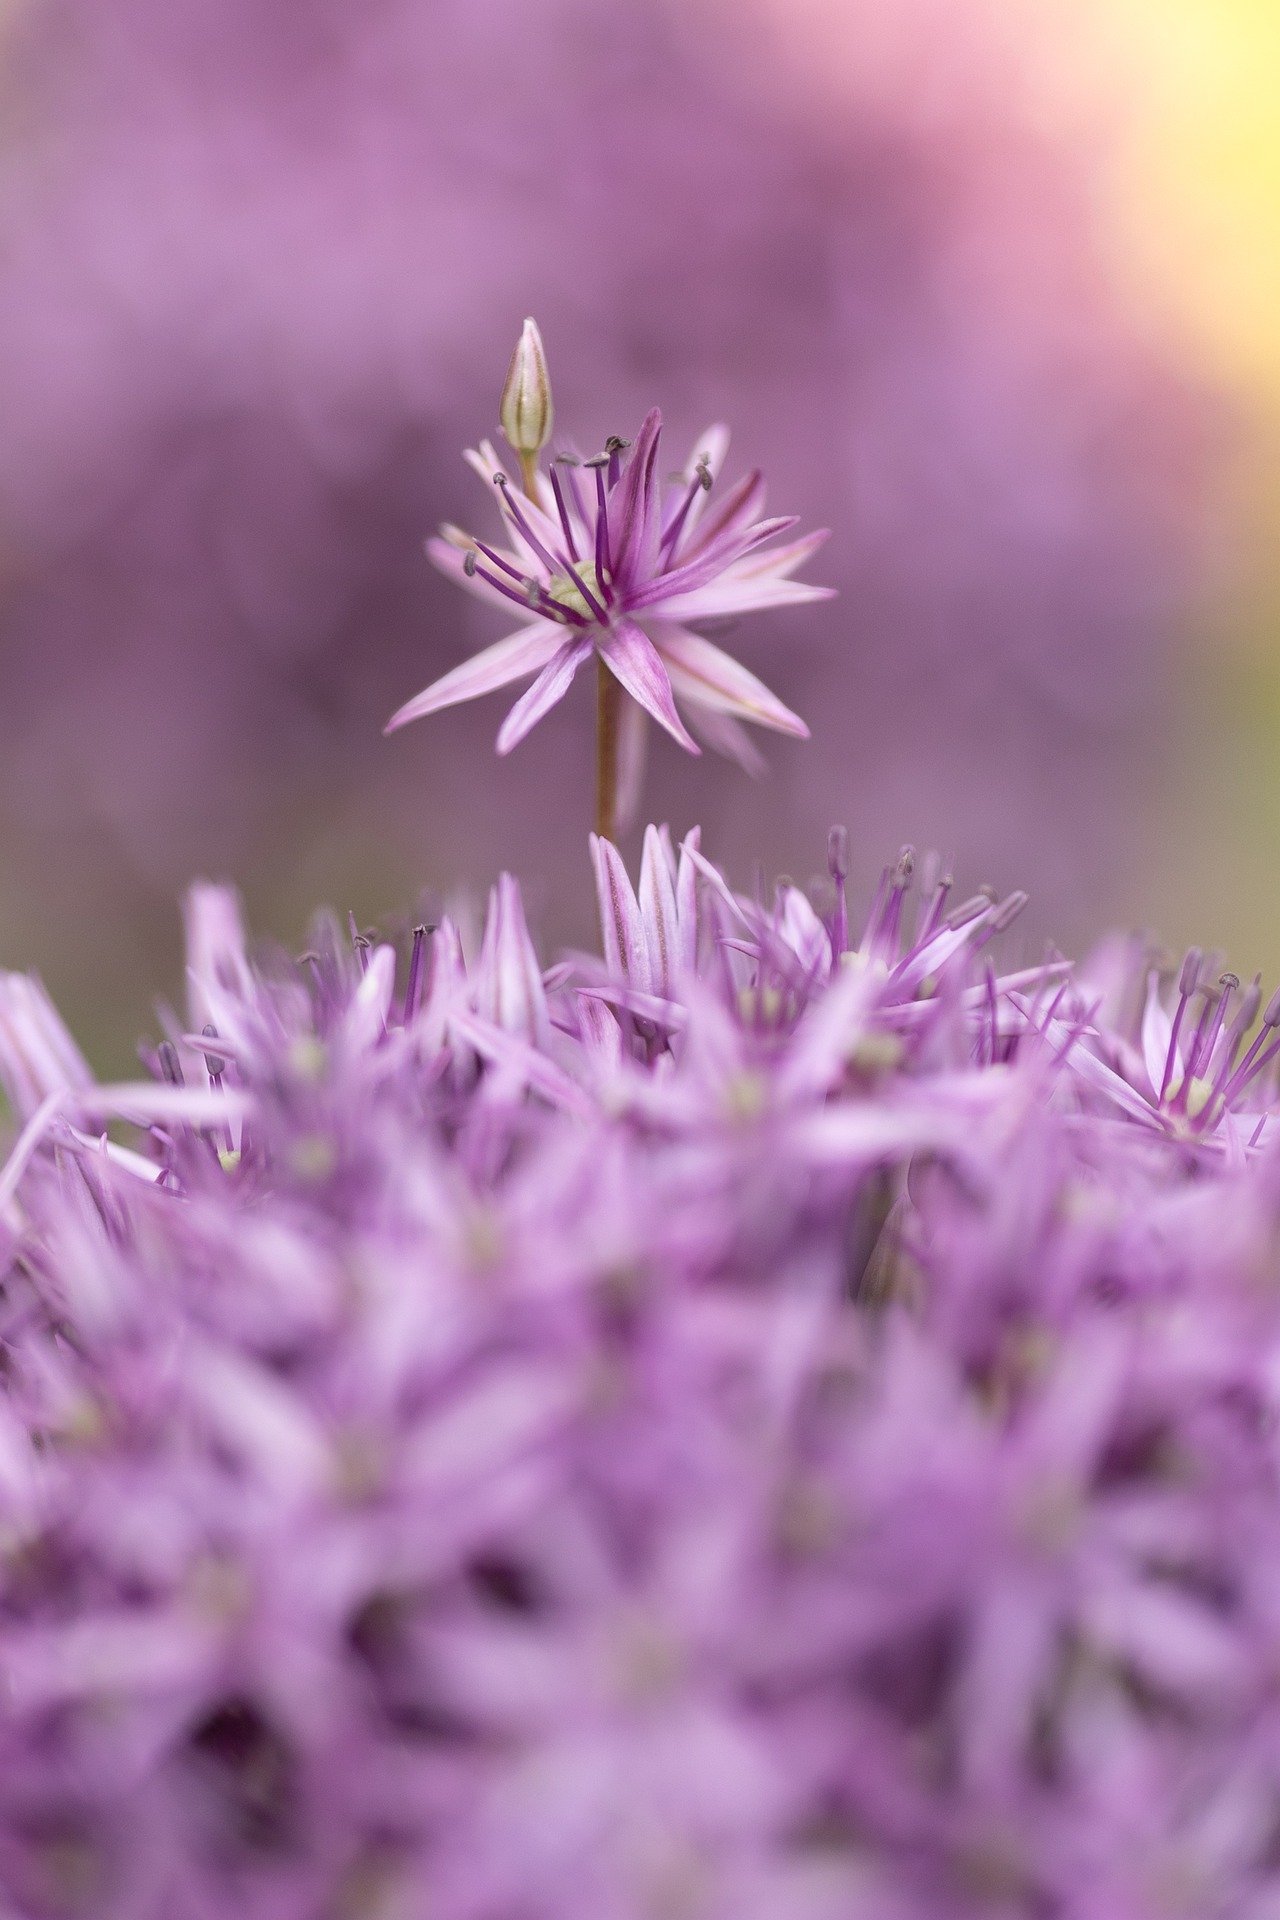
{"x": 263, "y": 267}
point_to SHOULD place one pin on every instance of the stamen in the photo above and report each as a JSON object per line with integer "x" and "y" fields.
{"x": 413, "y": 986}
{"x": 604, "y": 562}
{"x": 169, "y": 1064}
{"x": 555, "y": 563}
{"x": 566, "y": 526}
{"x": 1246, "y": 1014}
{"x": 615, "y": 448}
{"x": 700, "y": 483}
{"x": 212, "y": 1061}
{"x": 993, "y": 1011}
{"x": 970, "y": 909}
{"x": 838, "y": 868}
{"x": 1229, "y": 983}
{"x": 933, "y": 916}
{"x": 539, "y": 597}
{"x": 1188, "y": 980}
{"x": 1008, "y": 910}
{"x": 1255, "y": 1060}
{"x": 1211, "y": 996}
{"x": 570, "y": 462}
{"x": 360, "y": 942}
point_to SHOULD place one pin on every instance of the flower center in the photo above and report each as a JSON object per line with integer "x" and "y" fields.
{"x": 566, "y": 592}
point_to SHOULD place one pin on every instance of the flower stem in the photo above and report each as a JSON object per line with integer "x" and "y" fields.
{"x": 529, "y": 475}
{"x": 608, "y": 701}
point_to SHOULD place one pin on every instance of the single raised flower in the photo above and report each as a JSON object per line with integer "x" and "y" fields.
{"x": 605, "y": 558}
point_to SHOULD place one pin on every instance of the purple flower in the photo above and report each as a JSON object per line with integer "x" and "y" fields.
{"x": 606, "y": 558}
{"x": 746, "y": 1425}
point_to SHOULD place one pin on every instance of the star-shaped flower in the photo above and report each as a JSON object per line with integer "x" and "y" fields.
{"x": 606, "y": 558}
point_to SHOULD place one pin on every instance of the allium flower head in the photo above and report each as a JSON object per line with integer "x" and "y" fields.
{"x": 749, "y": 1426}
{"x": 606, "y": 557}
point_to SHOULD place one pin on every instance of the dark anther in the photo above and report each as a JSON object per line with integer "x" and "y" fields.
{"x": 616, "y": 445}
{"x": 500, "y": 479}
{"x": 597, "y": 460}
{"x": 469, "y": 562}
{"x": 565, "y": 460}
{"x": 212, "y": 1061}
{"x": 169, "y": 1064}
{"x": 703, "y": 473}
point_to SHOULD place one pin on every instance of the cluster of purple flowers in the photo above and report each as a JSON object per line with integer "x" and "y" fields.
{"x": 762, "y": 1425}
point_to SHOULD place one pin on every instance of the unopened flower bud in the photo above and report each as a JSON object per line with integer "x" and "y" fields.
{"x": 526, "y": 412}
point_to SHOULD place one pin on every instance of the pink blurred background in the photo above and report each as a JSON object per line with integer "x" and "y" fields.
{"x": 261, "y": 271}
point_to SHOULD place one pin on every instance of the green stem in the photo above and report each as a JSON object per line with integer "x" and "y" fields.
{"x": 608, "y": 704}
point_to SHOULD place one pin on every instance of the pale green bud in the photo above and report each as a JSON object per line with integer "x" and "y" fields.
{"x": 526, "y": 412}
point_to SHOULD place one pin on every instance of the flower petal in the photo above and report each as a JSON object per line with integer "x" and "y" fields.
{"x": 657, "y": 896}
{"x": 729, "y": 594}
{"x": 635, "y": 514}
{"x": 633, "y": 659}
{"x": 704, "y": 673}
{"x": 506, "y": 660}
{"x": 621, "y": 927}
{"x": 548, "y": 689}
{"x": 781, "y": 562}
{"x": 710, "y": 566}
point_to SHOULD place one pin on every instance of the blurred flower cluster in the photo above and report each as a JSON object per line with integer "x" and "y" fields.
{"x": 255, "y": 263}
{"x": 764, "y": 1424}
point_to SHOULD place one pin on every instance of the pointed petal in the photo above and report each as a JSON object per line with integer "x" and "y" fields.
{"x": 783, "y": 561}
{"x": 1157, "y": 1032}
{"x": 506, "y": 660}
{"x": 621, "y": 928}
{"x": 703, "y": 672}
{"x": 548, "y": 689}
{"x": 634, "y": 508}
{"x": 508, "y": 981}
{"x": 711, "y": 566}
{"x": 658, "y": 909}
{"x": 687, "y": 899}
{"x": 728, "y": 595}
{"x": 633, "y": 659}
